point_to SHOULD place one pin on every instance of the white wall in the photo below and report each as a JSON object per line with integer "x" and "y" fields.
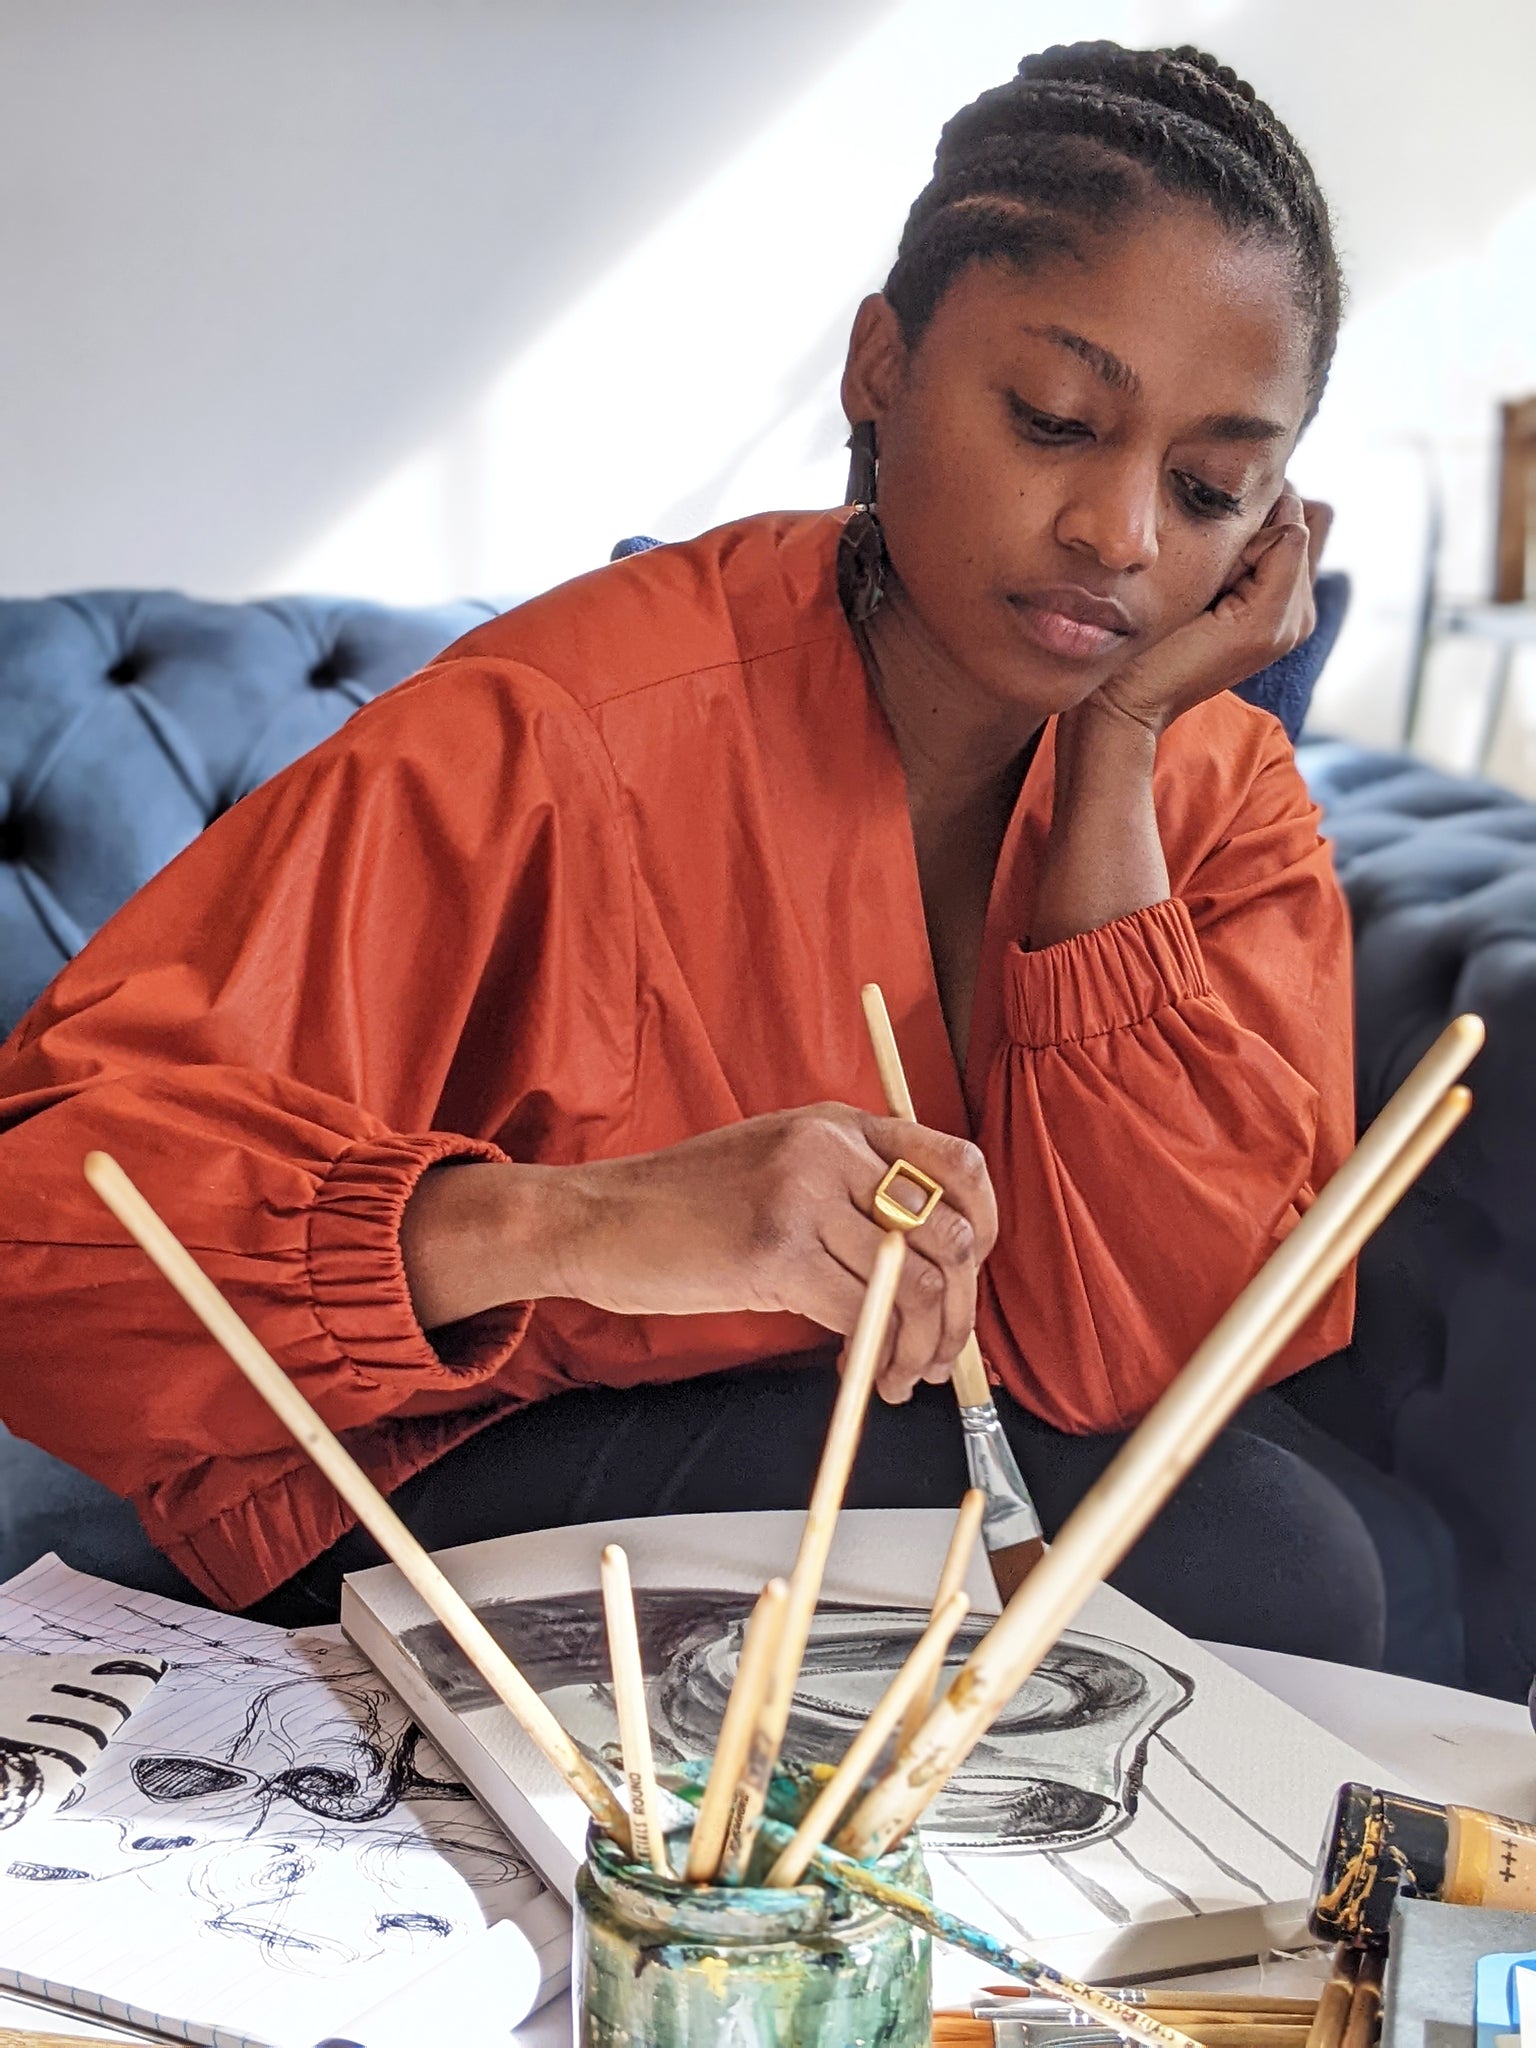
{"x": 413, "y": 297}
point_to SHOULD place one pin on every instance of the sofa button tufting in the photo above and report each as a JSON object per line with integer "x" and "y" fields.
{"x": 10, "y": 837}
{"x": 325, "y": 675}
{"x": 126, "y": 669}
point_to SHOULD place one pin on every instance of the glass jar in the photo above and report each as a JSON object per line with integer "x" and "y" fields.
{"x": 663, "y": 1964}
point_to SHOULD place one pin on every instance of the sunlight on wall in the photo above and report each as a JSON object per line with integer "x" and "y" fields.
{"x": 698, "y": 380}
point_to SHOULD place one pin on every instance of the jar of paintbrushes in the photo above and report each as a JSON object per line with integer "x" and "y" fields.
{"x": 669, "y": 1963}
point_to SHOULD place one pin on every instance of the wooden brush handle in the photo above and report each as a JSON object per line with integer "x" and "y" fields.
{"x": 10, "y": 2037}
{"x": 969, "y": 1378}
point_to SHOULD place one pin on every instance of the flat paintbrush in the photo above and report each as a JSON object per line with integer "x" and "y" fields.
{"x": 1010, "y": 1527}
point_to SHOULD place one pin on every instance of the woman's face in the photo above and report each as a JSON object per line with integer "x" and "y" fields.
{"x": 1071, "y": 461}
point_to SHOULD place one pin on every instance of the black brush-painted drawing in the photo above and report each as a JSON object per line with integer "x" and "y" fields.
{"x": 1061, "y": 1769}
{"x": 57, "y": 1715}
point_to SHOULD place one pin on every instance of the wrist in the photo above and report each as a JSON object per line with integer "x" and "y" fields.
{"x": 479, "y": 1236}
{"x": 1101, "y": 748}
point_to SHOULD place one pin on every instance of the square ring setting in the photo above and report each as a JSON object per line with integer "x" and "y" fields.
{"x": 891, "y": 1210}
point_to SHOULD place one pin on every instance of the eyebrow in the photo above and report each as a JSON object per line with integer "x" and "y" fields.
{"x": 1237, "y": 426}
{"x": 1109, "y": 368}
{"x": 1119, "y": 376}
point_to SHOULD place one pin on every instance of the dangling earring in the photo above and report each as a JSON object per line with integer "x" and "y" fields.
{"x": 861, "y": 557}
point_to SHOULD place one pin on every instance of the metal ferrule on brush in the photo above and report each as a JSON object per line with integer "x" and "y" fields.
{"x": 1010, "y": 1513}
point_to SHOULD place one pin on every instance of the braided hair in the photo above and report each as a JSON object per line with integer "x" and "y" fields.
{"x": 1085, "y": 135}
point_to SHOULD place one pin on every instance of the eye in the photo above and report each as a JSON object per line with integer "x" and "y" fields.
{"x": 1205, "y": 500}
{"x": 1045, "y": 429}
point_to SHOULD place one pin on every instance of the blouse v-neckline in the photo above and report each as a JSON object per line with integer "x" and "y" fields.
{"x": 946, "y": 1091}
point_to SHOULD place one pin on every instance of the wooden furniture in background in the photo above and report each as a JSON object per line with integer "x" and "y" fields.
{"x": 1507, "y": 623}
{"x": 1515, "y": 565}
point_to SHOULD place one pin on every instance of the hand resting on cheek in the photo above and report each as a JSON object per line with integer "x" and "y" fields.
{"x": 1264, "y": 610}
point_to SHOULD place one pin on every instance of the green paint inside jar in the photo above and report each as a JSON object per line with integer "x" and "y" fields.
{"x": 663, "y": 1964}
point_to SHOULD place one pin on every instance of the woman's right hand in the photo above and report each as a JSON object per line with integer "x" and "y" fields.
{"x": 769, "y": 1214}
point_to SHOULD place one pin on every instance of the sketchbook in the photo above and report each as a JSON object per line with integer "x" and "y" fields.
{"x": 1139, "y": 1807}
{"x": 268, "y": 1847}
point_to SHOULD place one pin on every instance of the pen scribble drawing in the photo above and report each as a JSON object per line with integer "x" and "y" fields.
{"x": 273, "y": 1790}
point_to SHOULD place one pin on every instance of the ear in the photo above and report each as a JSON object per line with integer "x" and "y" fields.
{"x": 877, "y": 361}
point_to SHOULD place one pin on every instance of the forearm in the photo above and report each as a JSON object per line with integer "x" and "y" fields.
{"x": 476, "y": 1237}
{"x": 1104, "y": 858}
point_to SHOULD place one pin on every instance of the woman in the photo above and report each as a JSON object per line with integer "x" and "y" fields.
{"x": 473, "y": 1054}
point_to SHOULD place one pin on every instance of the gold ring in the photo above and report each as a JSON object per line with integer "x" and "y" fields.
{"x": 898, "y": 1215}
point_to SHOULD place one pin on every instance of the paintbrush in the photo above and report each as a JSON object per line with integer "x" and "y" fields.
{"x": 957, "y": 1560}
{"x": 866, "y": 1347}
{"x": 1365, "y": 2001}
{"x": 1332, "y": 2014}
{"x": 914, "y": 1679}
{"x": 1161, "y": 1999}
{"x": 1128, "y": 2022}
{"x": 1010, "y": 1527}
{"x": 1161, "y": 1451}
{"x": 754, "y": 1671}
{"x": 985, "y": 2027}
{"x": 246, "y": 1350}
{"x": 645, "y": 1823}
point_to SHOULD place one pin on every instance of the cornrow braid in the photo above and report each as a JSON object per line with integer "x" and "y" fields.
{"x": 1079, "y": 140}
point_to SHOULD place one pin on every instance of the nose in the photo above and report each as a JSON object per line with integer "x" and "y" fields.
{"x": 1111, "y": 513}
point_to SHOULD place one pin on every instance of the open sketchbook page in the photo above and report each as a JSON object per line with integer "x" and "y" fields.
{"x": 267, "y": 1849}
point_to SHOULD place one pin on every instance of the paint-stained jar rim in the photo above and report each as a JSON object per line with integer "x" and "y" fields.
{"x": 717, "y": 1914}
{"x": 755, "y": 1915}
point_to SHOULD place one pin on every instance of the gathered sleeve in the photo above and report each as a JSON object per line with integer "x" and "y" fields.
{"x": 418, "y": 936}
{"x": 1171, "y": 1092}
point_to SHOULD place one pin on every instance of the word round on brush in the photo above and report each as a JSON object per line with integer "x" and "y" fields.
{"x": 1160, "y": 1453}
{"x": 246, "y": 1350}
{"x": 650, "y": 1842}
{"x": 754, "y": 1669}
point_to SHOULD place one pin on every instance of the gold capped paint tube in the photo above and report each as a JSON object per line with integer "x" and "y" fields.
{"x": 1381, "y": 1846}
{"x": 1489, "y": 1861}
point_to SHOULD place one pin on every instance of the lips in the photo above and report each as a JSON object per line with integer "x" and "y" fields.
{"x": 1066, "y": 620}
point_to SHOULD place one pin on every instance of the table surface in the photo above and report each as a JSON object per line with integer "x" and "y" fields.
{"x": 1426, "y": 1739}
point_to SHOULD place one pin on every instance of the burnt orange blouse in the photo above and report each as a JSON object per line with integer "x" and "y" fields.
{"x": 610, "y": 873}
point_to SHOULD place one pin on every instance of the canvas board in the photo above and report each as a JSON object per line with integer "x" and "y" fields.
{"x": 1139, "y": 1807}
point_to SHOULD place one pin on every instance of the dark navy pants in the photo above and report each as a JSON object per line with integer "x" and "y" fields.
{"x": 1280, "y": 1538}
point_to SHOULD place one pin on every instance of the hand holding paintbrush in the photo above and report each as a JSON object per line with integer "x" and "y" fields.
{"x": 1010, "y": 1525}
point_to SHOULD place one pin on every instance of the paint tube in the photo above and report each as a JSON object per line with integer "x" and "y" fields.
{"x": 1489, "y": 1861}
{"x": 1381, "y": 1846}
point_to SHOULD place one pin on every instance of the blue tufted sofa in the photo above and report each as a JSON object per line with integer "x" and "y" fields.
{"x": 128, "y": 720}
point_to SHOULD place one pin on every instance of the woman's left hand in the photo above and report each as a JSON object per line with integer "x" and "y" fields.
{"x": 1265, "y": 611}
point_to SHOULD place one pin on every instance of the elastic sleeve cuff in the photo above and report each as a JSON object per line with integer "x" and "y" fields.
{"x": 1106, "y": 980}
{"x": 357, "y": 1275}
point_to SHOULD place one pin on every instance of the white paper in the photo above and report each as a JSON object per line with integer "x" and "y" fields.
{"x": 266, "y": 1849}
{"x": 474, "y": 1999}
